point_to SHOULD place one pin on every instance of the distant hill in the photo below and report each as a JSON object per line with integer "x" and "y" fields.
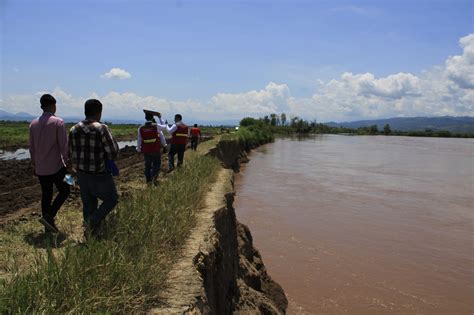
{"x": 464, "y": 124}
{"x": 4, "y": 115}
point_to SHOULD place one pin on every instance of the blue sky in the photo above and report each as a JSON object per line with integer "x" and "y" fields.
{"x": 227, "y": 59}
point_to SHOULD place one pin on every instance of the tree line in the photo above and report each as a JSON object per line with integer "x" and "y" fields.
{"x": 280, "y": 124}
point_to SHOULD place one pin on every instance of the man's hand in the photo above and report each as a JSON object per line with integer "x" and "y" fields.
{"x": 71, "y": 169}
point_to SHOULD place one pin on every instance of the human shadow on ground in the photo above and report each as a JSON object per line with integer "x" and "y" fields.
{"x": 45, "y": 240}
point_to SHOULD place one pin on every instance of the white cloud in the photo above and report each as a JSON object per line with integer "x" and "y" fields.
{"x": 253, "y": 103}
{"x": 442, "y": 90}
{"x": 393, "y": 86}
{"x": 116, "y": 73}
{"x": 130, "y": 105}
{"x": 460, "y": 69}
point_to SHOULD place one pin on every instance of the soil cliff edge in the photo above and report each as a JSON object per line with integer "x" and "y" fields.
{"x": 220, "y": 271}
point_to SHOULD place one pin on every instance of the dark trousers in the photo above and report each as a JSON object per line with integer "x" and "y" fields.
{"x": 48, "y": 209}
{"x": 194, "y": 143}
{"x": 152, "y": 165}
{"x": 94, "y": 187}
{"x": 176, "y": 149}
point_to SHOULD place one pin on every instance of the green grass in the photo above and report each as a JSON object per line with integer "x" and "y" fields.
{"x": 123, "y": 271}
{"x": 252, "y": 136}
{"x": 15, "y": 134}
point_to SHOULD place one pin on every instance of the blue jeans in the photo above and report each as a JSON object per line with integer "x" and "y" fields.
{"x": 94, "y": 187}
{"x": 152, "y": 165}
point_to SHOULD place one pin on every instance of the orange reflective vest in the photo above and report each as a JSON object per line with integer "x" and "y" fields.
{"x": 150, "y": 138}
{"x": 180, "y": 136}
{"x": 195, "y": 132}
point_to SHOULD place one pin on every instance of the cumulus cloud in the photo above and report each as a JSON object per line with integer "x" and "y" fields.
{"x": 269, "y": 100}
{"x": 393, "y": 86}
{"x": 116, "y": 73}
{"x": 441, "y": 90}
{"x": 447, "y": 89}
{"x": 130, "y": 105}
{"x": 460, "y": 69}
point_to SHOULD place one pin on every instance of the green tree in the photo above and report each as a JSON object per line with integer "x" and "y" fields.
{"x": 273, "y": 119}
{"x": 387, "y": 130}
{"x": 248, "y": 121}
{"x": 373, "y": 130}
{"x": 283, "y": 119}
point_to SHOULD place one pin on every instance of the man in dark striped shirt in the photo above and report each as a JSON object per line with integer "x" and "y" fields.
{"x": 91, "y": 145}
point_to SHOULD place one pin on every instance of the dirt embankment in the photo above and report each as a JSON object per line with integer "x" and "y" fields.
{"x": 220, "y": 271}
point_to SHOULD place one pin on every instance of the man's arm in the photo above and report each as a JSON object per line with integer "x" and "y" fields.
{"x": 166, "y": 127}
{"x": 139, "y": 141}
{"x": 110, "y": 145}
{"x": 63, "y": 143}
{"x": 31, "y": 146}
{"x": 70, "y": 144}
{"x": 162, "y": 138}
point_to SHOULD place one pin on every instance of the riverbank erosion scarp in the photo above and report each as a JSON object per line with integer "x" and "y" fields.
{"x": 220, "y": 271}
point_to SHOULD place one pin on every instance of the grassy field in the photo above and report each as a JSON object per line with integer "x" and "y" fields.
{"x": 15, "y": 134}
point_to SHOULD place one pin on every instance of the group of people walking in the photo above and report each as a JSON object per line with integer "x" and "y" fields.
{"x": 88, "y": 152}
{"x": 150, "y": 140}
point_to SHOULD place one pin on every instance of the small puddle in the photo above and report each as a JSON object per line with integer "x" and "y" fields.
{"x": 23, "y": 154}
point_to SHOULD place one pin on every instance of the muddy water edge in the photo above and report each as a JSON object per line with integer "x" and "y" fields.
{"x": 364, "y": 224}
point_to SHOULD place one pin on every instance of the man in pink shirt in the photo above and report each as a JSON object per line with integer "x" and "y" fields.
{"x": 49, "y": 156}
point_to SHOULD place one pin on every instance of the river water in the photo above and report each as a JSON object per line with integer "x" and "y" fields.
{"x": 364, "y": 224}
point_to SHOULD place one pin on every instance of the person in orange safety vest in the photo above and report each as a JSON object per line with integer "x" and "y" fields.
{"x": 195, "y": 133}
{"x": 150, "y": 140}
{"x": 179, "y": 139}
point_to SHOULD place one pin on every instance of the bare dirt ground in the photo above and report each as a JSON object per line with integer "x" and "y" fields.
{"x": 20, "y": 192}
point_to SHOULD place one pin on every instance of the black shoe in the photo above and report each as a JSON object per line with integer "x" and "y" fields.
{"x": 49, "y": 225}
{"x": 92, "y": 231}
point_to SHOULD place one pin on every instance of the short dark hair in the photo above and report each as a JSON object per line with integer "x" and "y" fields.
{"x": 178, "y": 117}
{"x": 47, "y": 100}
{"x": 92, "y": 107}
{"x": 195, "y": 125}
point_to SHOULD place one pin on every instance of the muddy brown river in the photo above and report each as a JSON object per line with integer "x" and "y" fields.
{"x": 364, "y": 224}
